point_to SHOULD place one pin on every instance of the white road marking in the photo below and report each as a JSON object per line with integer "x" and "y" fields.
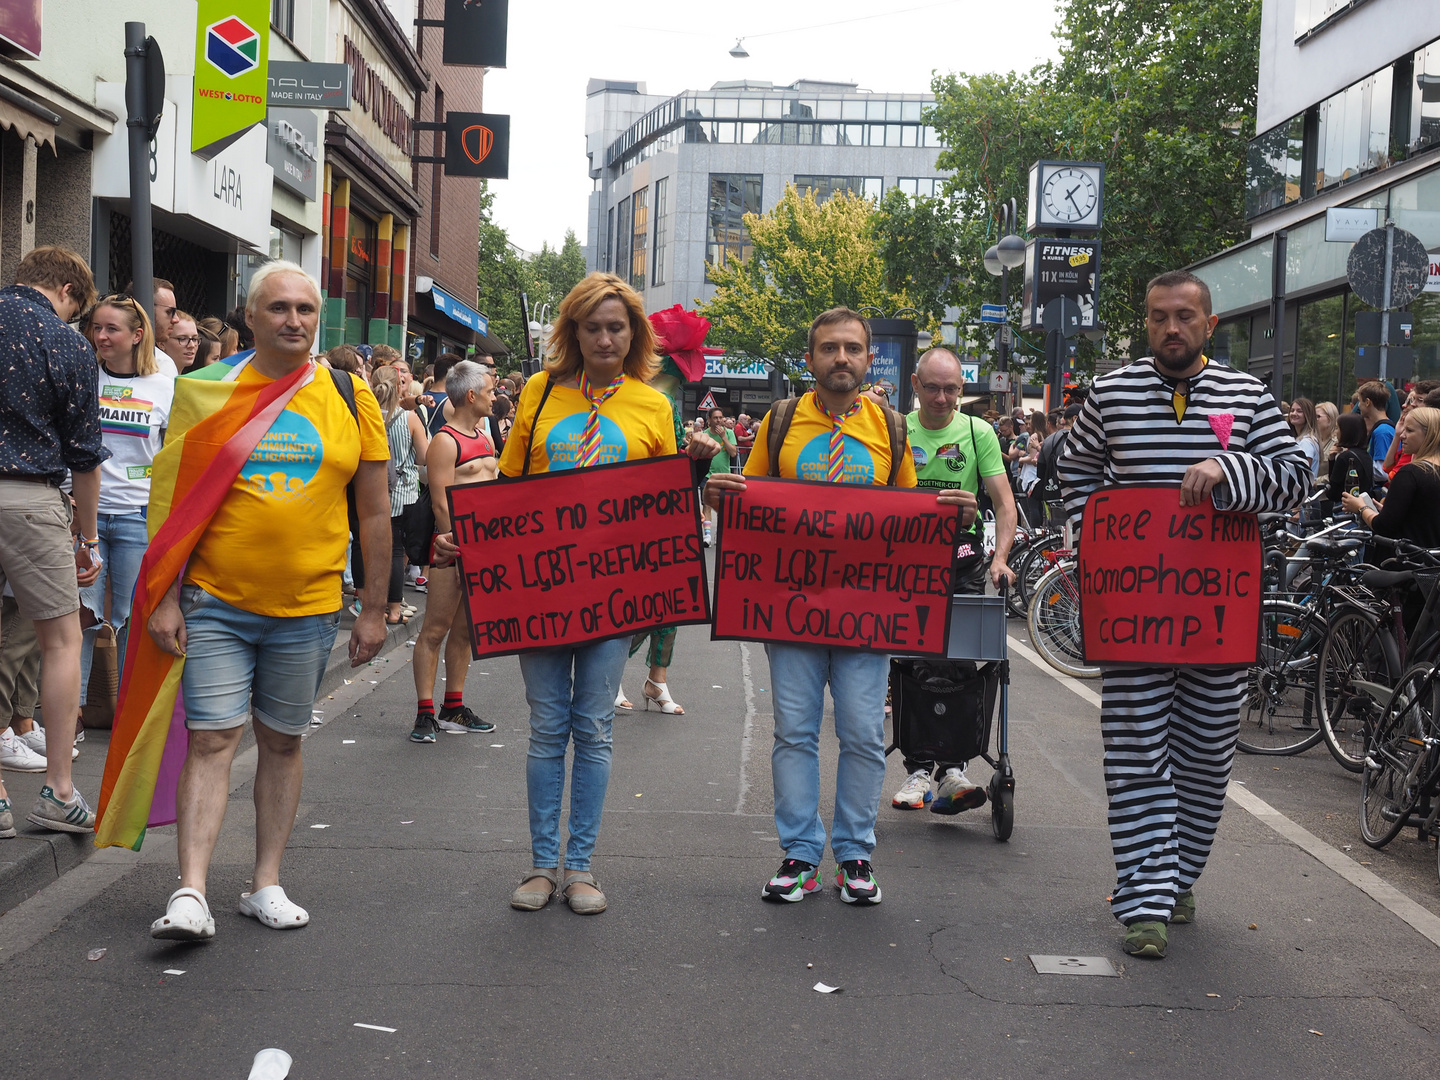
{"x": 749, "y": 723}
{"x": 1420, "y": 919}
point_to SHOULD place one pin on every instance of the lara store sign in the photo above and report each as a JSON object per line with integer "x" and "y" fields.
{"x": 231, "y": 55}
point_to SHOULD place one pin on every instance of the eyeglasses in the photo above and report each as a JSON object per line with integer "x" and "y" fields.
{"x": 186, "y": 339}
{"x": 947, "y": 391}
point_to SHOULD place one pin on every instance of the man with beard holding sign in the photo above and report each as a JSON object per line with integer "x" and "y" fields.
{"x": 833, "y": 435}
{"x": 1182, "y": 419}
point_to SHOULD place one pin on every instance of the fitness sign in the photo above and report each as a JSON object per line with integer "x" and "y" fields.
{"x": 838, "y": 565}
{"x": 1166, "y": 584}
{"x": 581, "y": 555}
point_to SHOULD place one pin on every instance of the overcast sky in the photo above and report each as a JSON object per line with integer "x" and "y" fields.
{"x": 556, "y": 46}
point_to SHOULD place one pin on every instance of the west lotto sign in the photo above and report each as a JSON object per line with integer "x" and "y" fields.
{"x": 477, "y": 144}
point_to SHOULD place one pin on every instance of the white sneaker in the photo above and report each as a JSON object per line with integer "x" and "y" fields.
{"x": 958, "y": 793}
{"x": 35, "y": 739}
{"x": 914, "y": 793}
{"x": 16, "y": 756}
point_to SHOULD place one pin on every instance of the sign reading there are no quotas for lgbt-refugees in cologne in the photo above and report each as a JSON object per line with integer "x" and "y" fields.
{"x": 571, "y": 557}
{"x": 846, "y": 566}
{"x": 1166, "y": 584}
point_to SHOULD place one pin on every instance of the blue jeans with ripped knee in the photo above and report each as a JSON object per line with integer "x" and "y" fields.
{"x": 571, "y": 692}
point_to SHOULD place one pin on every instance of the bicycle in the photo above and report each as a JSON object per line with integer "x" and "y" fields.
{"x": 1054, "y": 619}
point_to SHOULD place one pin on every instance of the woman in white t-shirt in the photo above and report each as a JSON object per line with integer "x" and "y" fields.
{"x": 135, "y": 399}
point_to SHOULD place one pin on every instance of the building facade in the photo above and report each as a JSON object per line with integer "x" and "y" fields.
{"x": 1348, "y": 115}
{"x": 675, "y": 175}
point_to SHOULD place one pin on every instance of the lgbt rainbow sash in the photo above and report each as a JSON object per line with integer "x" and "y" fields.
{"x": 215, "y": 425}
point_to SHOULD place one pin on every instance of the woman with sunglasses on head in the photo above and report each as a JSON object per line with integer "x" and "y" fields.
{"x": 135, "y": 399}
{"x": 590, "y": 406}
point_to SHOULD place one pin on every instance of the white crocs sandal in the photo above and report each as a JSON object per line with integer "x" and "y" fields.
{"x": 273, "y": 908}
{"x": 187, "y": 918}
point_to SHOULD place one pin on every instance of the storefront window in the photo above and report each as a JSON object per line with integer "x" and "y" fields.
{"x": 662, "y": 229}
{"x": 359, "y": 277}
{"x": 1354, "y": 132}
{"x": 624, "y": 226}
{"x": 1319, "y": 348}
{"x": 1231, "y": 344}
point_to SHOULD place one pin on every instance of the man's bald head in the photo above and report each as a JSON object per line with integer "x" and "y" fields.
{"x": 939, "y": 365}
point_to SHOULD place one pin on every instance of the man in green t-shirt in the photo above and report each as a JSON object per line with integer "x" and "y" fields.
{"x": 721, "y": 462}
{"x": 953, "y": 449}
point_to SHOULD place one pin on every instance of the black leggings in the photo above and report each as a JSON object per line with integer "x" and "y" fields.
{"x": 397, "y": 561}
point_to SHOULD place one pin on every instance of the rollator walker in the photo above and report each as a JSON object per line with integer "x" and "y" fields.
{"x": 942, "y": 710}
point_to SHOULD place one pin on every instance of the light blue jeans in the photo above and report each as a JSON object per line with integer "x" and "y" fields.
{"x": 123, "y": 539}
{"x": 798, "y": 676}
{"x": 571, "y": 693}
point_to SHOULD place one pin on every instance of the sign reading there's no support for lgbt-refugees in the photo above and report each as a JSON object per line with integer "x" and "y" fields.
{"x": 581, "y": 555}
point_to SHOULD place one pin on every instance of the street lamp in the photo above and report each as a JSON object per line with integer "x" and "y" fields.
{"x": 1000, "y": 259}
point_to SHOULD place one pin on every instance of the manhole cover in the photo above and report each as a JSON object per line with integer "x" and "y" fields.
{"x": 1074, "y": 965}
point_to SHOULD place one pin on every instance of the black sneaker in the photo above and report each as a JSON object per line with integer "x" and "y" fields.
{"x": 856, "y": 881}
{"x": 425, "y": 728}
{"x": 466, "y": 719}
{"x": 792, "y": 882}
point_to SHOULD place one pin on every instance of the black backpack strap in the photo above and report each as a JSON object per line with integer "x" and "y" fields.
{"x": 530, "y": 439}
{"x": 898, "y": 437}
{"x": 345, "y": 386}
{"x": 781, "y": 413}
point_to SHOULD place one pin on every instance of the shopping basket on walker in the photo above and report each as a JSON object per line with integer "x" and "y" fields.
{"x": 942, "y": 709}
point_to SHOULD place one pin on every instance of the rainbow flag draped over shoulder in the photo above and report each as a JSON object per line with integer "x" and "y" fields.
{"x": 215, "y": 425}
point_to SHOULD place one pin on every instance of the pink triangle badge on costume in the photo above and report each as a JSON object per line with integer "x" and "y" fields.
{"x": 1221, "y": 424}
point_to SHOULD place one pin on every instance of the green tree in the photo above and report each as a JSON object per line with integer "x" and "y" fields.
{"x": 1162, "y": 92}
{"x": 502, "y": 275}
{"x": 557, "y": 272}
{"x": 805, "y": 258}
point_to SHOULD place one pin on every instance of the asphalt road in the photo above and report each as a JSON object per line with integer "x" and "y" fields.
{"x": 689, "y": 974}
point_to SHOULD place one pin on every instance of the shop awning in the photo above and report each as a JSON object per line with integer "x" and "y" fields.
{"x": 27, "y": 117}
{"x": 466, "y": 316}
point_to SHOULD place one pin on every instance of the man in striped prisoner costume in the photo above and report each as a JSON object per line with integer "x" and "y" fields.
{"x": 1180, "y": 418}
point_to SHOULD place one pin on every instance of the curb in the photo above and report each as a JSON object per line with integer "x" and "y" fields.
{"x": 37, "y": 857}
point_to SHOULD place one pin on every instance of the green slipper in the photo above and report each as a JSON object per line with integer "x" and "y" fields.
{"x": 1184, "y": 907}
{"x": 1146, "y": 938}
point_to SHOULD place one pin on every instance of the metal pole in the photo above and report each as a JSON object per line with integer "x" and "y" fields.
{"x": 142, "y": 265}
{"x": 1277, "y": 316}
{"x": 1385, "y": 306}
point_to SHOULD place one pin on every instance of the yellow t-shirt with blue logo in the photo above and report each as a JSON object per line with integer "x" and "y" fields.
{"x": 805, "y": 454}
{"x": 636, "y": 422}
{"x": 277, "y": 544}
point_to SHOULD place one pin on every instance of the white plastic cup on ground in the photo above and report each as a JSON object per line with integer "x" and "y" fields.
{"x": 270, "y": 1064}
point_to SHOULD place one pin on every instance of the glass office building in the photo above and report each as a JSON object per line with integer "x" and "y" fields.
{"x": 675, "y": 176}
{"x": 1348, "y": 116}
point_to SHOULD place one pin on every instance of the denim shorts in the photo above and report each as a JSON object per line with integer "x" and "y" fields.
{"x": 238, "y": 662}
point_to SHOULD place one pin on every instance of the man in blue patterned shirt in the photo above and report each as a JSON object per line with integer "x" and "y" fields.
{"x": 49, "y": 422}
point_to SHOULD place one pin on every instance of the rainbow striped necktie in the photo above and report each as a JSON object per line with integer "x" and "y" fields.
{"x": 590, "y": 438}
{"x": 837, "y": 440}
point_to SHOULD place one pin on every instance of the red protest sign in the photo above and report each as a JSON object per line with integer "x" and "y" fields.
{"x": 843, "y": 565}
{"x": 566, "y": 558}
{"x": 1166, "y": 584}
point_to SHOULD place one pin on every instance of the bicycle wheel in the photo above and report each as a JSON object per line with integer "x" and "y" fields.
{"x": 1279, "y": 712}
{"x": 1054, "y": 621}
{"x": 1039, "y": 558}
{"x": 1356, "y": 654}
{"x": 1015, "y": 595}
{"x": 1395, "y": 756}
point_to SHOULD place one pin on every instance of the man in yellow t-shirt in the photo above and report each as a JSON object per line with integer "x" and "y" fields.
{"x": 838, "y": 355}
{"x": 258, "y": 610}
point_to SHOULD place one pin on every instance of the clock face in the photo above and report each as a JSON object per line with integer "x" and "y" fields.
{"x": 1069, "y": 195}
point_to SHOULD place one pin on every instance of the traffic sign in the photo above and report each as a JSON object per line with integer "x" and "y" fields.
{"x": 992, "y": 313}
{"x": 1000, "y": 382}
{"x": 1408, "y": 263}
{"x": 1062, "y": 315}
{"x": 708, "y": 402}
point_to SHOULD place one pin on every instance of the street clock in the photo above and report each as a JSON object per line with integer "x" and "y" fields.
{"x": 1065, "y": 195}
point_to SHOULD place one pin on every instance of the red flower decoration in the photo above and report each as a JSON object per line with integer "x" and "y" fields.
{"x": 681, "y": 335}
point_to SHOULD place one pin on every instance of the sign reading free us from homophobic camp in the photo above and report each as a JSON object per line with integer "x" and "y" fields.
{"x": 840, "y": 565}
{"x": 580, "y": 555}
{"x": 1162, "y": 583}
